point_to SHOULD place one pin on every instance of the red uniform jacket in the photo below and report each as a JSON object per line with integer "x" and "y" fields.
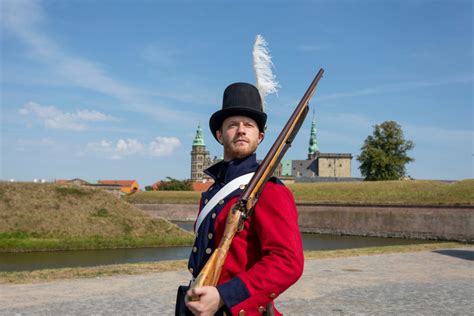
{"x": 266, "y": 257}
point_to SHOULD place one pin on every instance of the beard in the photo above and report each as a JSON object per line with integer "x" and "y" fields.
{"x": 239, "y": 147}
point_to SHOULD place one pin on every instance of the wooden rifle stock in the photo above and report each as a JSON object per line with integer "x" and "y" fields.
{"x": 242, "y": 209}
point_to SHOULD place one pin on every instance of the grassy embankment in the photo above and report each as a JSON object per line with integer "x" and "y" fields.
{"x": 150, "y": 267}
{"x": 36, "y": 217}
{"x": 381, "y": 192}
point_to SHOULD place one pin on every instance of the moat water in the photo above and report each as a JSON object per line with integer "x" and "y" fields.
{"x": 87, "y": 258}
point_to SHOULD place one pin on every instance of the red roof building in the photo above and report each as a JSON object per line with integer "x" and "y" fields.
{"x": 127, "y": 186}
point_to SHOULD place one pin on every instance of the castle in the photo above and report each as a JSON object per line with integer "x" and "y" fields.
{"x": 330, "y": 165}
{"x": 317, "y": 164}
{"x": 200, "y": 159}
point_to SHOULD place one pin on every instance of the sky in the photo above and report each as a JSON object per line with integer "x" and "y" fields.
{"x": 116, "y": 89}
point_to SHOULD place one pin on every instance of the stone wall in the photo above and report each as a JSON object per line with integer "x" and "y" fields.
{"x": 334, "y": 167}
{"x": 433, "y": 222}
{"x": 172, "y": 212}
{"x": 429, "y": 222}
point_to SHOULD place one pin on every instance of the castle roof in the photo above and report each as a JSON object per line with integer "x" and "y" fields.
{"x": 199, "y": 138}
{"x": 313, "y": 141}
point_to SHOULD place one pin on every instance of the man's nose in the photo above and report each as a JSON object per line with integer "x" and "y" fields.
{"x": 241, "y": 129}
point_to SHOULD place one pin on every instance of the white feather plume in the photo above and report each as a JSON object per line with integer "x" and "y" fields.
{"x": 262, "y": 64}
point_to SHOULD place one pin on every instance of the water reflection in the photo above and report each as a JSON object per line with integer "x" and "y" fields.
{"x": 87, "y": 258}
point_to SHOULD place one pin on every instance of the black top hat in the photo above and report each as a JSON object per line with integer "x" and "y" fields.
{"x": 239, "y": 99}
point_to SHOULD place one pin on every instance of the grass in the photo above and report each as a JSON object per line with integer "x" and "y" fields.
{"x": 419, "y": 192}
{"x": 47, "y": 275}
{"x": 21, "y": 242}
{"x": 327, "y": 254}
{"x": 165, "y": 197}
{"x": 387, "y": 192}
{"x": 55, "y": 217}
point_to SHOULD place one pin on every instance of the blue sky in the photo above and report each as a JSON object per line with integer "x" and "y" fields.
{"x": 116, "y": 89}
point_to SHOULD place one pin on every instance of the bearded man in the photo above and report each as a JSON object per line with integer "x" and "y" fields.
{"x": 266, "y": 257}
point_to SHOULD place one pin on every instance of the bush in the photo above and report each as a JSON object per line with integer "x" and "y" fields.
{"x": 175, "y": 185}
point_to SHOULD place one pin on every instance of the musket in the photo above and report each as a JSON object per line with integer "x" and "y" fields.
{"x": 243, "y": 208}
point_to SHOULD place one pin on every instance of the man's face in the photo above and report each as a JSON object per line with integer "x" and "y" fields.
{"x": 240, "y": 136}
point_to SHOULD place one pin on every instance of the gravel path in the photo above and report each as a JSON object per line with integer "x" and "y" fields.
{"x": 422, "y": 283}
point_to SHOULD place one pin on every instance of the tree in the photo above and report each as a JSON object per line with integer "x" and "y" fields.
{"x": 384, "y": 154}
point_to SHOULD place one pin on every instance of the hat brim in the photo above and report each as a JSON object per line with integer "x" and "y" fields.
{"x": 216, "y": 120}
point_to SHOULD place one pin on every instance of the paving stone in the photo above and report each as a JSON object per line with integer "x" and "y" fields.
{"x": 421, "y": 283}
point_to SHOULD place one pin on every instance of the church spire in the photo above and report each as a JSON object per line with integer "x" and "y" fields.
{"x": 313, "y": 141}
{"x": 199, "y": 139}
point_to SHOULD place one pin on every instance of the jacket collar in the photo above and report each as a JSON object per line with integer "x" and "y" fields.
{"x": 225, "y": 171}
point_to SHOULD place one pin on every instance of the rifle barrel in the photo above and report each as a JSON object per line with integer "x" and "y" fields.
{"x": 275, "y": 154}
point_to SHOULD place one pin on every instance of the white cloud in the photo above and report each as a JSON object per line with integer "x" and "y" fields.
{"x": 160, "y": 146}
{"x": 54, "y": 118}
{"x": 92, "y": 116}
{"x": 24, "y": 19}
{"x": 163, "y": 146}
{"x": 396, "y": 87}
{"x": 119, "y": 150}
{"x": 86, "y": 74}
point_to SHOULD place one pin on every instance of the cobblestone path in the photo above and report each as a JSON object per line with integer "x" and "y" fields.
{"x": 422, "y": 283}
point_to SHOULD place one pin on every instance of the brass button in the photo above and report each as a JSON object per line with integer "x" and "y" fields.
{"x": 191, "y": 270}
{"x": 208, "y": 251}
{"x": 261, "y": 309}
{"x": 221, "y": 202}
{"x": 242, "y": 312}
{"x": 213, "y": 215}
{"x": 272, "y": 296}
{"x": 242, "y": 186}
{"x": 210, "y": 235}
{"x": 195, "y": 249}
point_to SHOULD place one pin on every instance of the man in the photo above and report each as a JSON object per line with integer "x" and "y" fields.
{"x": 266, "y": 257}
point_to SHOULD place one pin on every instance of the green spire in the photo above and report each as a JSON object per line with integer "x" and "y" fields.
{"x": 199, "y": 139}
{"x": 313, "y": 141}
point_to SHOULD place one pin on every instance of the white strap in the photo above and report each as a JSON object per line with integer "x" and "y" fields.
{"x": 225, "y": 191}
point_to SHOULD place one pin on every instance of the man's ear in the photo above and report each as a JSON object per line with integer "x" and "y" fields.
{"x": 219, "y": 136}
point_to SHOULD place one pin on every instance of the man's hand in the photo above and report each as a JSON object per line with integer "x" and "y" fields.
{"x": 209, "y": 301}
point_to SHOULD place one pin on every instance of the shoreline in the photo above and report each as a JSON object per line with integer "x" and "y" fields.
{"x": 22, "y": 244}
{"x": 47, "y": 275}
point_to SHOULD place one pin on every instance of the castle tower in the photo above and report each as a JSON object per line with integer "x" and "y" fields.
{"x": 313, "y": 148}
{"x": 199, "y": 157}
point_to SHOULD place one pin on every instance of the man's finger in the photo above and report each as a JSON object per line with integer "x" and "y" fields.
{"x": 192, "y": 296}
